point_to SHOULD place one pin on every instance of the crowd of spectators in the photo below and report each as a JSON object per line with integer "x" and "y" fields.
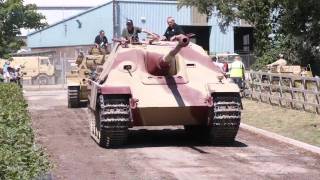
{"x": 9, "y": 73}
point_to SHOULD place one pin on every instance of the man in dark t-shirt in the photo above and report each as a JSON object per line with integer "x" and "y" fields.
{"x": 172, "y": 30}
{"x": 101, "y": 40}
{"x": 130, "y": 33}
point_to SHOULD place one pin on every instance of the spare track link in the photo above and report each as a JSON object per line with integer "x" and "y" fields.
{"x": 225, "y": 117}
{"x": 73, "y": 96}
{"x": 114, "y": 115}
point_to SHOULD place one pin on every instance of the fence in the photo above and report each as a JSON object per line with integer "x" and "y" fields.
{"x": 290, "y": 91}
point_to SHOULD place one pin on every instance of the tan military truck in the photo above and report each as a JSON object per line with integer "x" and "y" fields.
{"x": 35, "y": 69}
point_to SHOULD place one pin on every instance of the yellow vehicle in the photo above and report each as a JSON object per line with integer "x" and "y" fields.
{"x": 35, "y": 69}
{"x": 84, "y": 68}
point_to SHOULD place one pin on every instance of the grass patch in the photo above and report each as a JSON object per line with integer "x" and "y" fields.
{"x": 299, "y": 125}
{"x": 20, "y": 158}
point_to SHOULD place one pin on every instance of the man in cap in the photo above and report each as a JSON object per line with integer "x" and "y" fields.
{"x": 172, "y": 30}
{"x": 101, "y": 40}
{"x": 130, "y": 33}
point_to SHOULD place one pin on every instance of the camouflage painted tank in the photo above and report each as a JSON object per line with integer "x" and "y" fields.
{"x": 160, "y": 84}
{"x": 86, "y": 68}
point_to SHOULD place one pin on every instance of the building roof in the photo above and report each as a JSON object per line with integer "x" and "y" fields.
{"x": 102, "y": 5}
{"x": 64, "y": 3}
{"x": 72, "y": 17}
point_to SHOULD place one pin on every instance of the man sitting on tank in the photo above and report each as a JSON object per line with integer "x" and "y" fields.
{"x": 101, "y": 40}
{"x": 172, "y": 30}
{"x": 130, "y": 33}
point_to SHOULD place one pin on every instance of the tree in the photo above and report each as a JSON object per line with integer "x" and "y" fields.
{"x": 258, "y": 13}
{"x": 279, "y": 26}
{"x": 14, "y": 16}
{"x": 299, "y": 29}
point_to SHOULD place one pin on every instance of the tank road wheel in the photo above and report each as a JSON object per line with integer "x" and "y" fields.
{"x": 109, "y": 128}
{"x": 73, "y": 96}
{"x": 225, "y": 117}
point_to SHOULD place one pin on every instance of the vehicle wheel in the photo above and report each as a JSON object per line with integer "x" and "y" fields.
{"x": 43, "y": 80}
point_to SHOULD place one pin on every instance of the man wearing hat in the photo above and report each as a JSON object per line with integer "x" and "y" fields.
{"x": 130, "y": 33}
{"x": 101, "y": 40}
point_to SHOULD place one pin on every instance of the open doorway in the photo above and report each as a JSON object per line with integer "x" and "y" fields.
{"x": 202, "y": 35}
{"x": 243, "y": 40}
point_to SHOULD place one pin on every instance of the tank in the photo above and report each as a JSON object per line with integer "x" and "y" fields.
{"x": 162, "y": 84}
{"x": 86, "y": 67}
{"x": 295, "y": 72}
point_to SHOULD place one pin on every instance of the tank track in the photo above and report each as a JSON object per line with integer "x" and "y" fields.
{"x": 73, "y": 96}
{"x": 110, "y": 127}
{"x": 225, "y": 117}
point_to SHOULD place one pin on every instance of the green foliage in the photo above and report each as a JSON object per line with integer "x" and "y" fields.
{"x": 299, "y": 23}
{"x": 288, "y": 26}
{"x": 257, "y": 13}
{"x": 20, "y": 158}
{"x": 14, "y": 16}
{"x": 267, "y": 58}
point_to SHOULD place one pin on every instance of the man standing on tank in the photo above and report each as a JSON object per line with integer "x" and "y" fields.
{"x": 130, "y": 33}
{"x": 172, "y": 30}
{"x": 101, "y": 40}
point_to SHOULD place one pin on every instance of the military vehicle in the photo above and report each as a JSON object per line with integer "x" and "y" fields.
{"x": 294, "y": 70}
{"x": 85, "y": 68}
{"x": 35, "y": 69}
{"x": 159, "y": 84}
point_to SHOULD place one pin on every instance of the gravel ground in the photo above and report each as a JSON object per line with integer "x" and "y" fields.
{"x": 157, "y": 152}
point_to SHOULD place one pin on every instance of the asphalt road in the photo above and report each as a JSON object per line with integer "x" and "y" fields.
{"x": 157, "y": 152}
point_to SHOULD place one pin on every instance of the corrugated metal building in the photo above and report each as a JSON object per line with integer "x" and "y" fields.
{"x": 80, "y": 30}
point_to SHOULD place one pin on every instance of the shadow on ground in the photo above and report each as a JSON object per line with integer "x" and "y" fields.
{"x": 170, "y": 137}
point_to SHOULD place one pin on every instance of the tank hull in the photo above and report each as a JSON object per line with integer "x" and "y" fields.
{"x": 160, "y": 85}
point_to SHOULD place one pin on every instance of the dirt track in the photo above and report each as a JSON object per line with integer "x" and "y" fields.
{"x": 153, "y": 153}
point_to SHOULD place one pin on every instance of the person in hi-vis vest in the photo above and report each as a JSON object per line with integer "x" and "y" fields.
{"x": 236, "y": 71}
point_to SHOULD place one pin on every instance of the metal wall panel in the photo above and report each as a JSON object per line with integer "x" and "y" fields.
{"x": 78, "y": 30}
{"x": 152, "y": 15}
{"x": 220, "y": 41}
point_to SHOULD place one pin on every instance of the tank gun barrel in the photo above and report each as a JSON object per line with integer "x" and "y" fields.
{"x": 169, "y": 58}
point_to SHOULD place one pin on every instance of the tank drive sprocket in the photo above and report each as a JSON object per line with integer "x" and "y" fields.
{"x": 109, "y": 128}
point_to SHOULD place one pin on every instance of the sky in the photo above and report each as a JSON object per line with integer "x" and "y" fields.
{"x": 65, "y": 2}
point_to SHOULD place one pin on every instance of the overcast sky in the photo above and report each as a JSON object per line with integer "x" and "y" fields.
{"x": 65, "y": 2}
